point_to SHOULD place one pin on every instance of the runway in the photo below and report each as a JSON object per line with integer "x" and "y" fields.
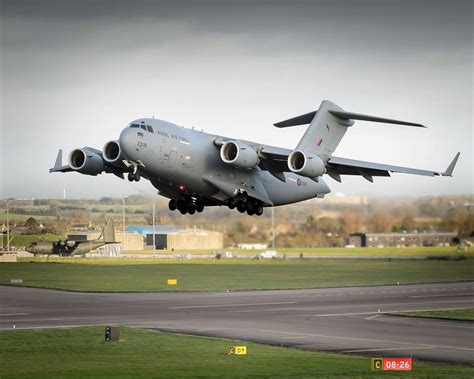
{"x": 352, "y": 320}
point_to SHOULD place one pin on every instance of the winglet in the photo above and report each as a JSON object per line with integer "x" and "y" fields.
{"x": 450, "y": 169}
{"x": 58, "y": 165}
{"x": 59, "y": 159}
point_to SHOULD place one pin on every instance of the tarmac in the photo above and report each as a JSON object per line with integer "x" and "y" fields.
{"x": 350, "y": 320}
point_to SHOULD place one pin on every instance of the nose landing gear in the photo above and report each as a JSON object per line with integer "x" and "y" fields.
{"x": 133, "y": 174}
{"x": 133, "y": 177}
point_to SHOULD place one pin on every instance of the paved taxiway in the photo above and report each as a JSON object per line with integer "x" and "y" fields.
{"x": 336, "y": 319}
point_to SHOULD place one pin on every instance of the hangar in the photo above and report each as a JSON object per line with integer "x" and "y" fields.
{"x": 169, "y": 237}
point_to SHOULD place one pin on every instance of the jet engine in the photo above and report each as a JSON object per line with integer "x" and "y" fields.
{"x": 112, "y": 152}
{"x": 239, "y": 154}
{"x": 86, "y": 162}
{"x": 306, "y": 164}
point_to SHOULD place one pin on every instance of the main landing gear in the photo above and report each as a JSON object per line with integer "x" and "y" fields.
{"x": 243, "y": 203}
{"x": 186, "y": 205}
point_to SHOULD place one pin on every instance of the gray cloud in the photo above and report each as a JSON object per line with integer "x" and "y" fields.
{"x": 74, "y": 72}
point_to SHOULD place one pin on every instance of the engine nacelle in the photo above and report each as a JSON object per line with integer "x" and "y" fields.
{"x": 86, "y": 162}
{"x": 239, "y": 155}
{"x": 112, "y": 152}
{"x": 306, "y": 164}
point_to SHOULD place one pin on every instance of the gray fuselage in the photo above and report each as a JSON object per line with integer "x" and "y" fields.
{"x": 181, "y": 161}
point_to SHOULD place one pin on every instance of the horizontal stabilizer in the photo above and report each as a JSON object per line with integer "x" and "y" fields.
{"x": 363, "y": 117}
{"x": 298, "y": 120}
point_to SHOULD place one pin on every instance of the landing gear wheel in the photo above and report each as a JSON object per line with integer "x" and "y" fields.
{"x": 241, "y": 209}
{"x": 259, "y": 210}
{"x": 183, "y": 211}
{"x": 250, "y": 212}
{"x": 136, "y": 177}
{"x": 240, "y": 204}
{"x": 130, "y": 177}
{"x": 172, "y": 205}
{"x": 250, "y": 207}
{"x": 231, "y": 204}
{"x": 192, "y": 210}
{"x": 199, "y": 207}
{"x": 181, "y": 205}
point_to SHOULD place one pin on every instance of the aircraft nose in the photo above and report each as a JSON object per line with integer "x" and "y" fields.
{"x": 127, "y": 140}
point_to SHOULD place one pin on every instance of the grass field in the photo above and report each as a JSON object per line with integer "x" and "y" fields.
{"x": 212, "y": 275}
{"x": 339, "y": 251}
{"x": 82, "y": 352}
{"x": 452, "y": 314}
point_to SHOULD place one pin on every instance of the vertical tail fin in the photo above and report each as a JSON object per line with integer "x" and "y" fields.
{"x": 325, "y": 131}
{"x": 109, "y": 232}
{"x": 328, "y": 125}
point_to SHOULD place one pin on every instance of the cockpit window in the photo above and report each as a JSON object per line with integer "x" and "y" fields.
{"x": 134, "y": 126}
{"x": 143, "y": 127}
{"x": 150, "y": 129}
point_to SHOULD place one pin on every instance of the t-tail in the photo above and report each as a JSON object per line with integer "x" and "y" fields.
{"x": 328, "y": 125}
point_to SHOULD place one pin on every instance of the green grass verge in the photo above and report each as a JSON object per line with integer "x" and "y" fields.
{"x": 383, "y": 251}
{"x": 451, "y": 314}
{"x": 82, "y": 352}
{"x": 338, "y": 251}
{"x": 213, "y": 275}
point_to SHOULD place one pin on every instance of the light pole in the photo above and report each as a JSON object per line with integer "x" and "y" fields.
{"x": 90, "y": 226}
{"x": 154, "y": 243}
{"x": 8, "y": 228}
{"x": 123, "y": 221}
{"x": 273, "y": 229}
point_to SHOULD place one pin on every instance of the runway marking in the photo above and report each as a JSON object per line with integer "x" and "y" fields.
{"x": 385, "y": 312}
{"x": 14, "y": 314}
{"x": 231, "y": 305}
{"x": 389, "y": 349}
{"x": 364, "y": 339}
{"x": 373, "y": 317}
{"x": 447, "y": 295}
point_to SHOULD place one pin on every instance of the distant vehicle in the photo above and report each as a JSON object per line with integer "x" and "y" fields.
{"x": 266, "y": 254}
{"x": 195, "y": 169}
{"x": 70, "y": 247}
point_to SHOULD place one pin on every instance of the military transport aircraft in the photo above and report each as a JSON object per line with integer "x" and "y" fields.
{"x": 71, "y": 247}
{"x": 195, "y": 169}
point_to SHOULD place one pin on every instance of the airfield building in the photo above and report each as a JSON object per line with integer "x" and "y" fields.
{"x": 402, "y": 239}
{"x": 169, "y": 237}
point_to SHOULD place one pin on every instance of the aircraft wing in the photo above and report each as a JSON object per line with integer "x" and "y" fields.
{"x": 275, "y": 160}
{"x": 342, "y": 166}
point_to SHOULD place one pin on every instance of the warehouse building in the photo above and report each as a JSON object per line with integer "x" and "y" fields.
{"x": 402, "y": 239}
{"x": 169, "y": 237}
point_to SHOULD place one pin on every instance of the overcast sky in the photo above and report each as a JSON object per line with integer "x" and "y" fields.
{"x": 74, "y": 73}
